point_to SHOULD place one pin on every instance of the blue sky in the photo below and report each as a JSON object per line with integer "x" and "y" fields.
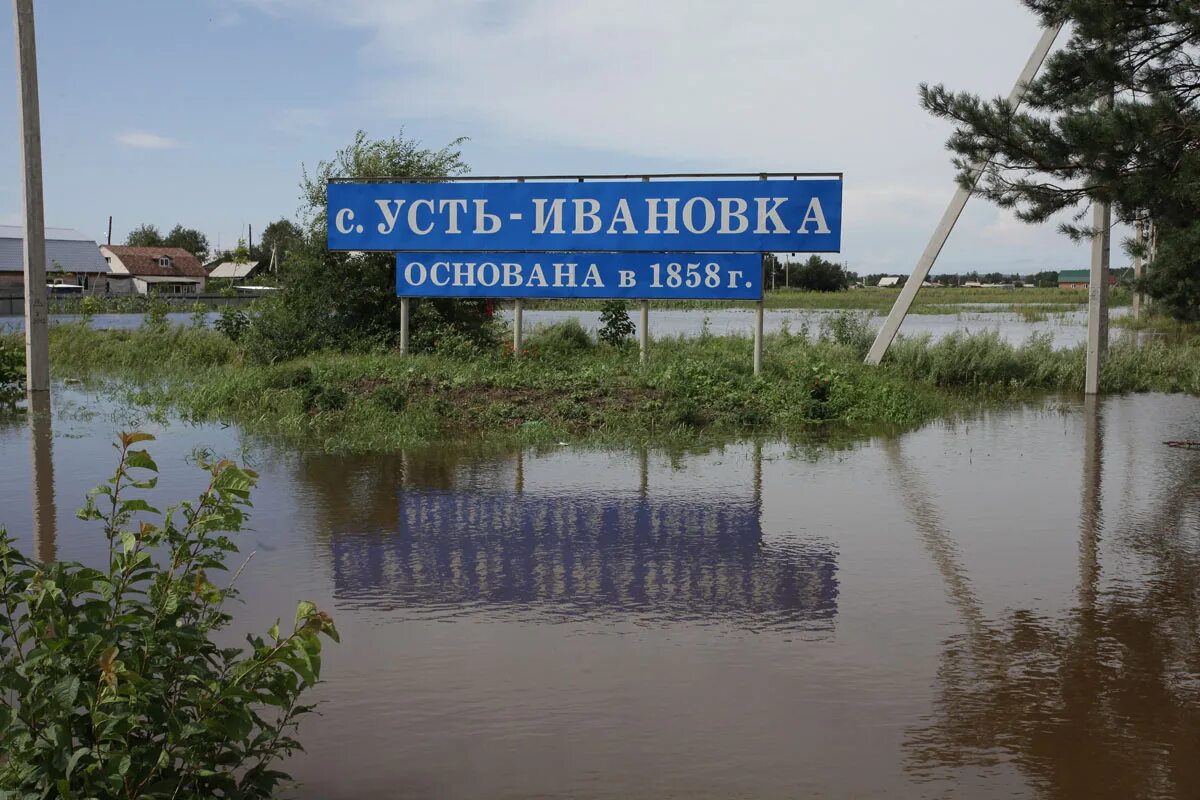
{"x": 202, "y": 112}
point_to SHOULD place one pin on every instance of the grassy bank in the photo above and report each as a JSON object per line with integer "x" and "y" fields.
{"x": 567, "y": 388}
{"x": 931, "y": 300}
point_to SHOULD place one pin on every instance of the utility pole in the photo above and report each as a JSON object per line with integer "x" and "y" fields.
{"x": 1097, "y": 341}
{"x": 37, "y": 346}
{"x": 1140, "y": 238}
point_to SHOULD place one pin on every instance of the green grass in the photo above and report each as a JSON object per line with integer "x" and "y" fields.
{"x": 568, "y": 388}
{"x": 937, "y": 300}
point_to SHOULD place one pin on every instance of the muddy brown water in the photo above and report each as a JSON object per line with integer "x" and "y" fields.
{"x": 1002, "y": 607}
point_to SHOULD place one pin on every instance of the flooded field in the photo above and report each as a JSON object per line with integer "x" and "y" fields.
{"x": 1066, "y": 328}
{"x": 1005, "y": 607}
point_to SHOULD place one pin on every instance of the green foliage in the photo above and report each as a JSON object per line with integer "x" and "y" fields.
{"x": 232, "y": 322}
{"x": 813, "y": 275}
{"x": 189, "y": 239}
{"x": 560, "y": 339}
{"x": 848, "y": 329}
{"x": 111, "y": 683}
{"x": 199, "y": 318}
{"x": 616, "y": 327}
{"x": 12, "y": 372}
{"x": 347, "y": 301}
{"x": 280, "y": 237}
{"x": 145, "y": 235}
{"x": 156, "y": 312}
{"x": 1073, "y": 147}
{"x": 89, "y": 306}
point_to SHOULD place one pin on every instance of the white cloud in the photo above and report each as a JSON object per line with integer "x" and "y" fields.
{"x": 721, "y": 85}
{"x": 145, "y": 140}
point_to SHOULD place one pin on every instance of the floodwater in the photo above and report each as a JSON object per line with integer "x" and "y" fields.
{"x": 1007, "y": 606}
{"x": 1065, "y": 328}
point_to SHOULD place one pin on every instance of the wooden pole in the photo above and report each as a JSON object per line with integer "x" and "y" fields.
{"x": 37, "y": 347}
{"x": 518, "y": 326}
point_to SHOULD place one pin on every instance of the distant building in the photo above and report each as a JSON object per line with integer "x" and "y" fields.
{"x": 889, "y": 281}
{"x": 231, "y": 270}
{"x": 72, "y": 259}
{"x": 1081, "y": 278}
{"x": 159, "y": 270}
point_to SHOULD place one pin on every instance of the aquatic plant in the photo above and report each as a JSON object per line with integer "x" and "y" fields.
{"x": 111, "y": 683}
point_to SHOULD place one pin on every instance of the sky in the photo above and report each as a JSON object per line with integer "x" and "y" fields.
{"x": 205, "y": 112}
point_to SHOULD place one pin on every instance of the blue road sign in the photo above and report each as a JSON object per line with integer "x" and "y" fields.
{"x": 670, "y": 216}
{"x": 642, "y": 276}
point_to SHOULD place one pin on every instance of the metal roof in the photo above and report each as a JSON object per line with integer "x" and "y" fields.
{"x": 67, "y": 250}
{"x": 230, "y": 269}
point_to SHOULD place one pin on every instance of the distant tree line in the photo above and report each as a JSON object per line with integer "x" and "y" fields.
{"x": 815, "y": 274}
{"x": 278, "y": 238}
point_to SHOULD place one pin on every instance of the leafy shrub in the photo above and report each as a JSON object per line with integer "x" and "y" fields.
{"x": 561, "y": 338}
{"x": 12, "y": 372}
{"x": 616, "y": 326}
{"x": 849, "y": 329}
{"x": 156, "y": 312}
{"x": 120, "y": 690}
{"x": 89, "y": 306}
{"x": 199, "y": 315}
{"x": 232, "y": 322}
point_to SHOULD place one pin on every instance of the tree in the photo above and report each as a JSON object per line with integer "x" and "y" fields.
{"x": 145, "y": 235}
{"x": 1045, "y": 280}
{"x": 819, "y": 275}
{"x": 281, "y": 236}
{"x": 1112, "y": 118}
{"x": 348, "y": 300}
{"x": 189, "y": 239}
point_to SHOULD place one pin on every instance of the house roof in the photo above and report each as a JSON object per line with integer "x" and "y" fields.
{"x": 1074, "y": 276}
{"x": 231, "y": 269}
{"x": 66, "y": 249}
{"x": 142, "y": 261}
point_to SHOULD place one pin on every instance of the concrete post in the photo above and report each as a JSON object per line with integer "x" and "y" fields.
{"x": 891, "y": 326}
{"x": 41, "y": 439}
{"x": 1140, "y": 238}
{"x": 1097, "y": 342}
{"x": 404, "y": 309}
{"x": 37, "y": 344}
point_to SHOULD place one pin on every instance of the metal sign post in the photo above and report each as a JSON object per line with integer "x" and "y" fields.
{"x": 681, "y": 237}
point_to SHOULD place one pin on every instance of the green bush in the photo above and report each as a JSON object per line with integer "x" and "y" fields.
{"x": 560, "y": 339}
{"x": 232, "y": 323}
{"x": 616, "y": 326}
{"x": 110, "y": 682}
{"x": 12, "y": 372}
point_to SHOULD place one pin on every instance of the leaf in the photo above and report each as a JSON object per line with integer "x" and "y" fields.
{"x": 140, "y": 459}
{"x": 304, "y": 610}
{"x": 66, "y": 690}
{"x": 128, "y": 439}
{"x": 78, "y": 754}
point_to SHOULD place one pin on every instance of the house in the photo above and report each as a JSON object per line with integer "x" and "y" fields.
{"x": 156, "y": 270}
{"x": 891, "y": 280}
{"x": 1080, "y": 278}
{"x": 72, "y": 259}
{"x": 231, "y": 270}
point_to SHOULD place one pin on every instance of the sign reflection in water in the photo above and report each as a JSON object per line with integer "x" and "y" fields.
{"x": 571, "y": 555}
